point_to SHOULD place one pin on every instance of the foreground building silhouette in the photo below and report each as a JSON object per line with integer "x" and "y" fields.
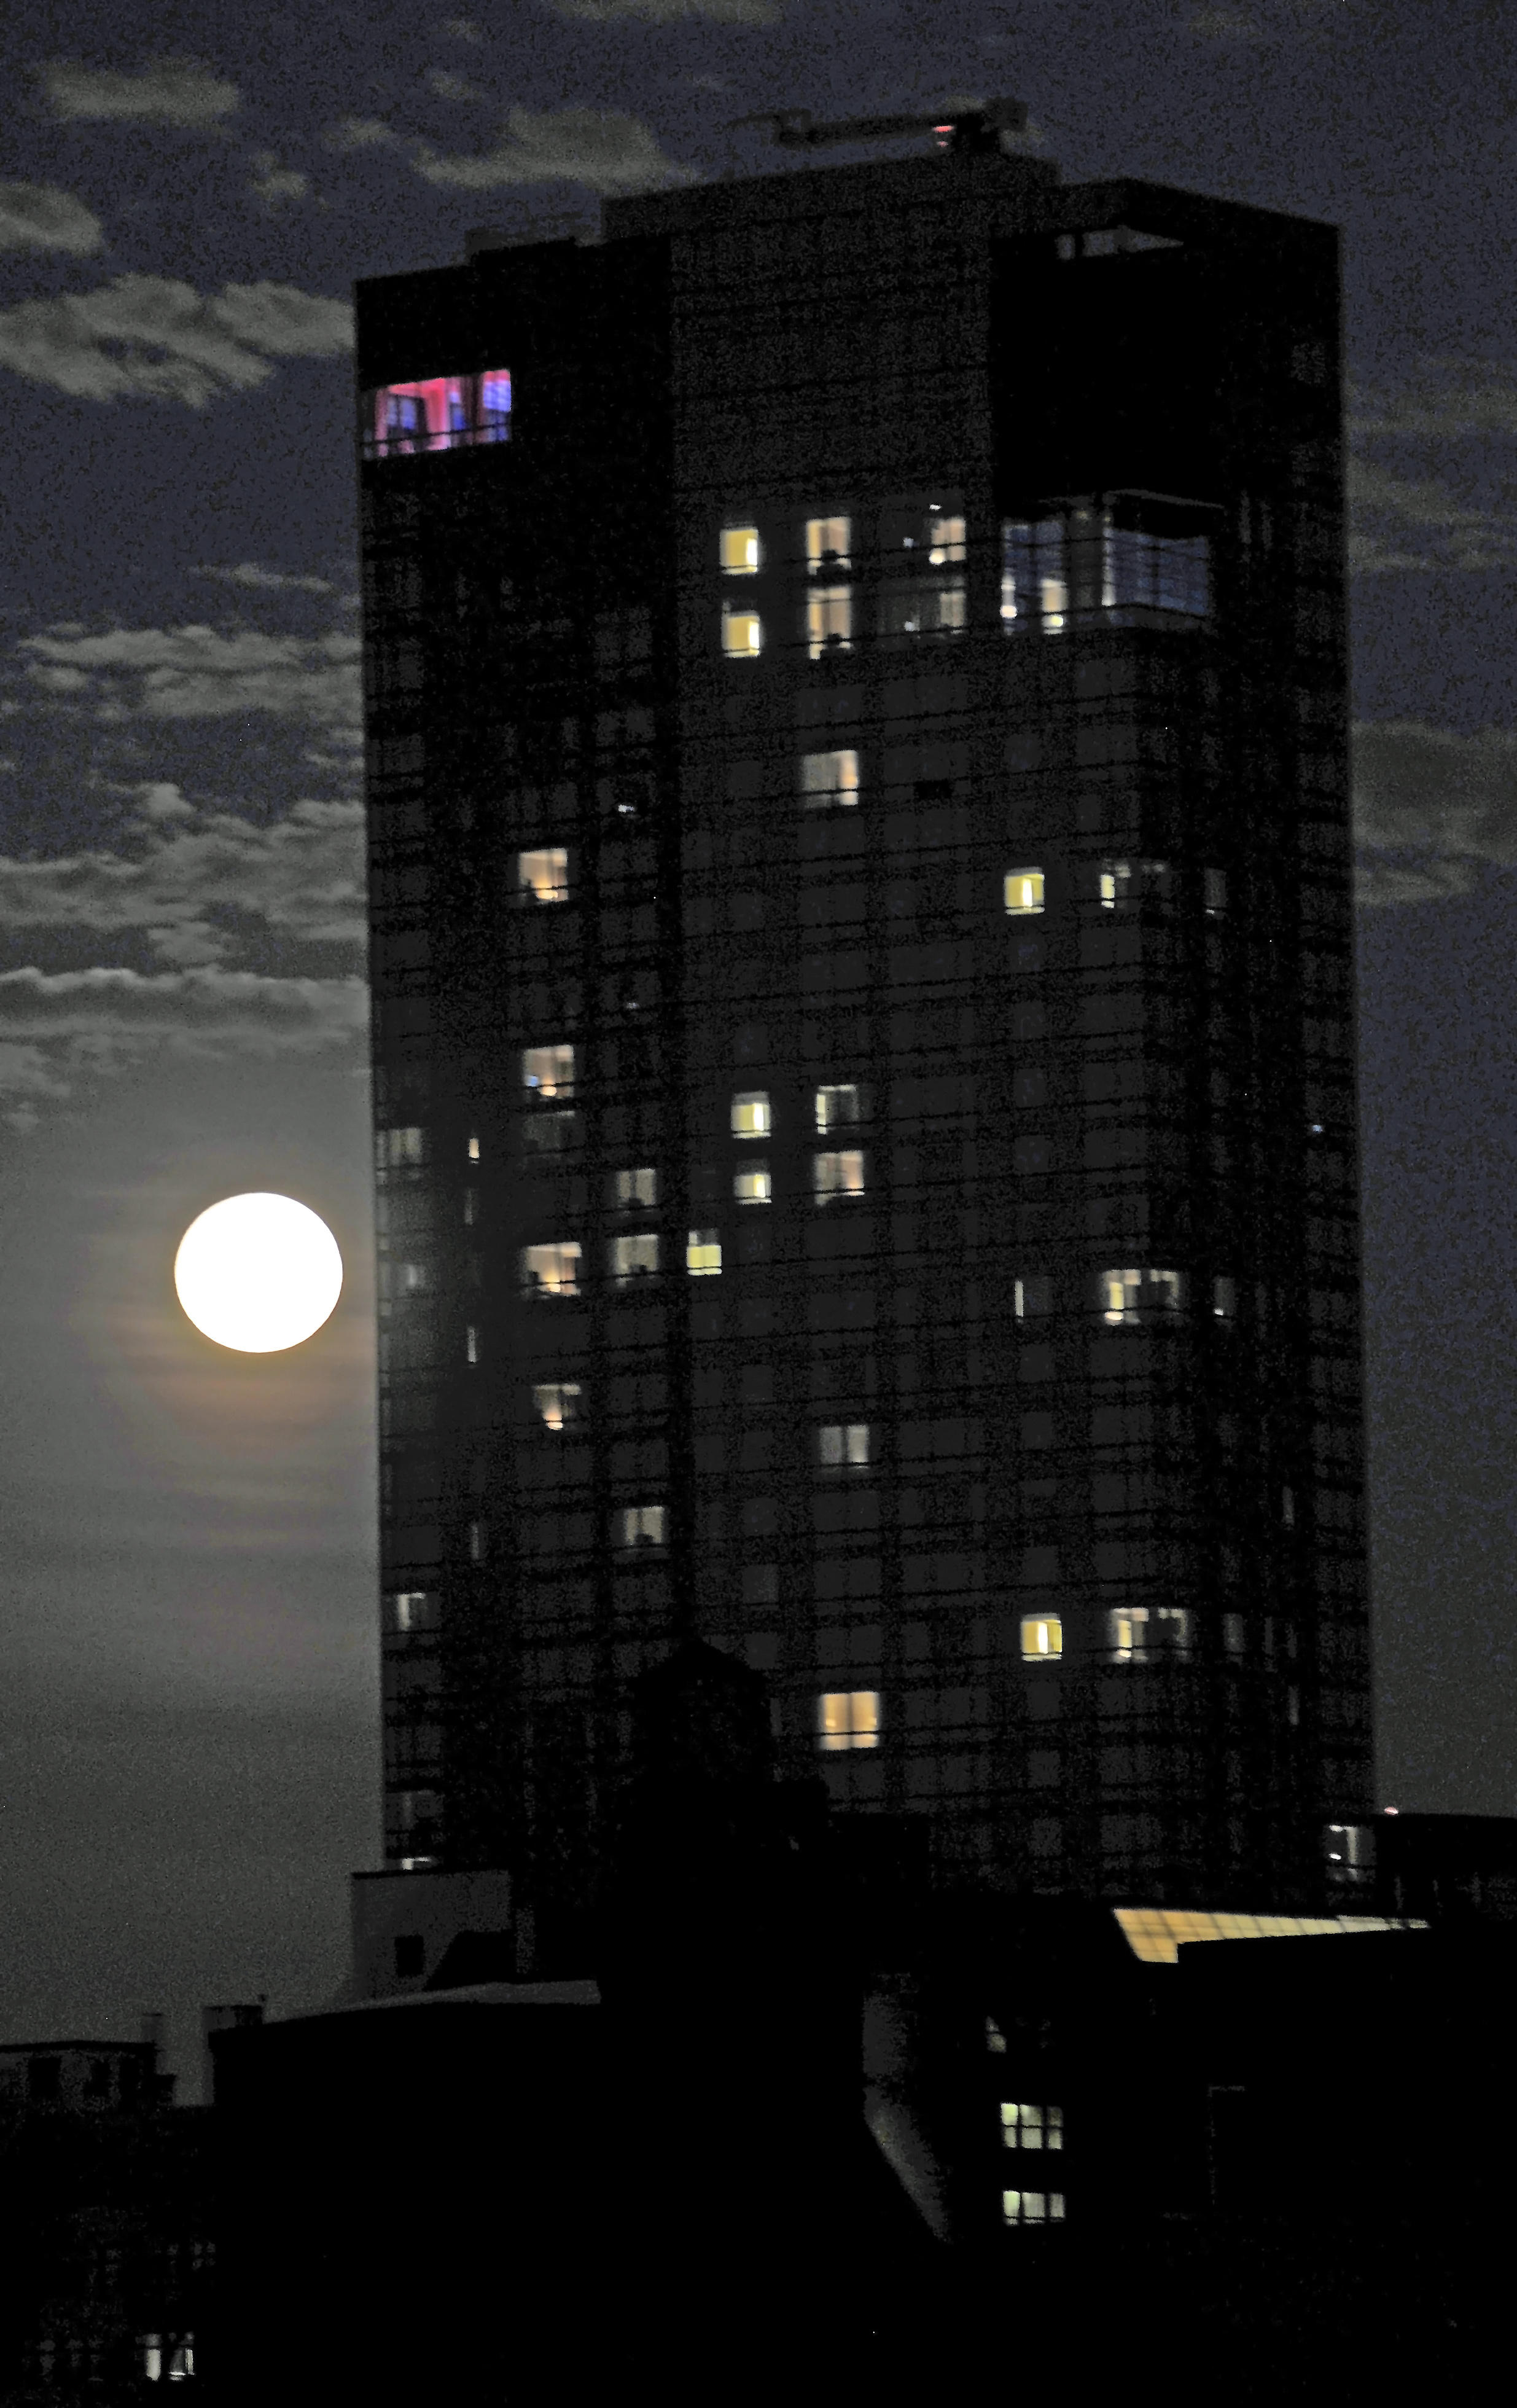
{"x": 863, "y": 1042}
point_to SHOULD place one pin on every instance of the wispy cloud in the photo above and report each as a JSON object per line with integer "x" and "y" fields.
{"x": 39, "y": 217}
{"x": 255, "y": 579}
{"x": 665, "y": 12}
{"x": 1227, "y": 25}
{"x": 275, "y": 184}
{"x": 198, "y": 884}
{"x": 359, "y": 133}
{"x": 1445, "y": 532}
{"x": 609, "y": 152}
{"x": 463, "y": 29}
{"x": 449, "y": 86}
{"x": 152, "y": 338}
{"x": 198, "y": 672}
{"x": 61, "y": 1026}
{"x": 1443, "y": 397}
{"x": 170, "y": 91}
{"x": 1430, "y": 807}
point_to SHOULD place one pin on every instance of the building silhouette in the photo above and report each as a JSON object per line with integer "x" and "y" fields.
{"x": 863, "y": 1038}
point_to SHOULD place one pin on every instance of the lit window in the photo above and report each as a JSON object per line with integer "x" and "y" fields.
{"x": 477, "y": 1539}
{"x": 551, "y": 1269}
{"x": 837, "y": 1108}
{"x": 1033, "y": 1296}
{"x": 841, "y": 1444}
{"x": 945, "y": 539}
{"x": 1349, "y": 1851}
{"x": 994, "y": 2037}
{"x": 829, "y": 620}
{"x": 1024, "y": 2126}
{"x": 638, "y": 1526}
{"x": 1023, "y": 892}
{"x": 630, "y": 1188}
{"x": 544, "y": 875}
{"x": 742, "y": 554}
{"x": 633, "y": 1258}
{"x": 1042, "y": 1636}
{"x": 558, "y": 1402}
{"x": 401, "y": 1149}
{"x": 703, "y": 1253}
{"x": 413, "y": 1608}
{"x": 471, "y": 1344}
{"x": 1148, "y": 1630}
{"x": 742, "y": 632}
{"x": 836, "y": 1175}
{"x": 752, "y": 1186}
{"x": 548, "y": 1070}
{"x": 848, "y": 1718}
{"x": 751, "y": 1115}
{"x": 829, "y": 777}
{"x": 1137, "y": 1296}
{"x": 446, "y": 413}
{"x": 1216, "y": 892}
{"x": 1223, "y": 1299}
{"x": 1031, "y": 2207}
{"x": 827, "y": 543}
{"x": 1127, "y": 555}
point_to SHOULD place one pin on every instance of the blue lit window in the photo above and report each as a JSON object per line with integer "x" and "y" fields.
{"x": 1124, "y": 558}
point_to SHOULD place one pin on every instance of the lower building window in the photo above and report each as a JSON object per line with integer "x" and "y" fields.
{"x": 1031, "y": 2207}
{"x": 633, "y": 1258}
{"x": 829, "y": 778}
{"x": 742, "y": 632}
{"x": 703, "y": 1253}
{"x": 1042, "y": 1636}
{"x": 551, "y": 1269}
{"x": 1139, "y": 1296}
{"x": 837, "y": 1175}
{"x": 1148, "y": 1630}
{"x": 752, "y": 1186}
{"x": 638, "y": 1526}
{"x": 848, "y": 1718}
{"x": 1025, "y": 2126}
{"x": 843, "y": 1444}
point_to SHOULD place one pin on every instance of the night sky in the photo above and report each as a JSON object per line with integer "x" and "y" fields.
{"x": 187, "y": 1711}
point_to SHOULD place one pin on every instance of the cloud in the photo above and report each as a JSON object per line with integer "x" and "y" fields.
{"x": 1443, "y": 397}
{"x": 463, "y": 29}
{"x": 609, "y": 152}
{"x": 255, "y": 579}
{"x": 665, "y": 12}
{"x": 1429, "y": 807}
{"x": 198, "y": 672}
{"x": 1453, "y": 535}
{"x": 1227, "y": 25}
{"x": 275, "y": 184}
{"x": 152, "y": 338}
{"x": 358, "y": 133}
{"x": 172, "y": 92}
{"x": 449, "y": 86}
{"x": 57, "y": 1027}
{"x": 199, "y": 884}
{"x": 39, "y": 217}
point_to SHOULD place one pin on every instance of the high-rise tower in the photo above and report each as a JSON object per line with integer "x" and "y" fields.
{"x": 864, "y": 1023}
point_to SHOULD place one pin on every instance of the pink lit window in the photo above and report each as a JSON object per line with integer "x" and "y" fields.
{"x": 437, "y": 414}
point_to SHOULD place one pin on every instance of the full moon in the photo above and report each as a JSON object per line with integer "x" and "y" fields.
{"x": 258, "y": 1272}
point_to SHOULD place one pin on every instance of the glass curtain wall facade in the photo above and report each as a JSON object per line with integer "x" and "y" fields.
{"x": 864, "y": 1041}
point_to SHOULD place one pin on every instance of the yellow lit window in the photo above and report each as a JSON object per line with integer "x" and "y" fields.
{"x": 848, "y": 1718}
{"x": 1135, "y": 1296}
{"x": 829, "y": 620}
{"x": 837, "y": 1108}
{"x": 1042, "y": 1636}
{"x": 558, "y": 1403}
{"x": 751, "y": 1115}
{"x": 841, "y": 1444}
{"x": 638, "y": 1526}
{"x": 548, "y": 1070}
{"x": 703, "y": 1253}
{"x": 1027, "y": 2125}
{"x": 752, "y": 1186}
{"x": 945, "y": 539}
{"x": 741, "y": 552}
{"x": 633, "y": 1258}
{"x": 836, "y": 1175}
{"x": 551, "y": 1269}
{"x": 474, "y": 1149}
{"x": 827, "y": 544}
{"x": 742, "y": 632}
{"x": 544, "y": 875}
{"x": 829, "y": 777}
{"x": 1023, "y": 892}
{"x": 1031, "y": 2207}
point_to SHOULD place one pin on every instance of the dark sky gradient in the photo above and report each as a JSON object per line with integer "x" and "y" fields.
{"x": 187, "y": 1724}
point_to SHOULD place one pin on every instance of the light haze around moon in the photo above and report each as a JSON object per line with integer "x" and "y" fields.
{"x": 258, "y": 1273}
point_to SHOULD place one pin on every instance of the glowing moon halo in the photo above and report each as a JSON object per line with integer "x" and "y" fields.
{"x": 258, "y": 1273}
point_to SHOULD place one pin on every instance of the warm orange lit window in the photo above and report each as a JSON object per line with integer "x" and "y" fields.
{"x": 544, "y": 876}
{"x": 558, "y": 1402}
{"x": 742, "y": 632}
{"x": 548, "y": 1070}
{"x": 741, "y": 552}
{"x": 848, "y": 1718}
{"x": 551, "y": 1269}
